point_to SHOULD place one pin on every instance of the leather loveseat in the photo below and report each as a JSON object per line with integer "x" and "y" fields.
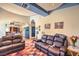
{"x": 53, "y": 45}
{"x": 10, "y": 44}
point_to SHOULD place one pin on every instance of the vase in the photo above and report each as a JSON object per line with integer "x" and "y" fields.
{"x": 74, "y": 41}
{"x": 74, "y": 44}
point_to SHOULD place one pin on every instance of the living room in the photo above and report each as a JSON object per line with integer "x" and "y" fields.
{"x": 43, "y": 23}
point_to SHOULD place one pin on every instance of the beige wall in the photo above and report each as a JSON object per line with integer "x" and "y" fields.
{"x": 70, "y": 17}
{"x": 7, "y": 17}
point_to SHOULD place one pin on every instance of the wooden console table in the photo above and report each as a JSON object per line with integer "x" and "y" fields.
{"x": 74, "y": 51}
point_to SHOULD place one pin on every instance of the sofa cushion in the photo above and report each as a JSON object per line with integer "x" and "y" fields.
{"x": 16, "y": 40}
{"x": 4, "y": 43}
{"x": 57, "y": 44}
{"x": 45, "y": 46}
{"x": 59, "y": 40}
{"x": 5, "y": 48}
{"x": 17, "y": 45}
{"x": 54, "y": 50}
{"x": 50, "y": 37}
{"x": 61, "y": 36}
{"x": 44, "y": 38}
{"x": 4, "y": 38}
{"x": 49, "y": 40}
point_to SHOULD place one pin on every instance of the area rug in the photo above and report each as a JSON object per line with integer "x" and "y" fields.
{"x": 29, "y": 50}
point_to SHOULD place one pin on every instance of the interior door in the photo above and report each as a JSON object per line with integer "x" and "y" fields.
{"x": 27, "y": 32}
{"x": 32, "y": 28}
{"x": 33, "y": 31}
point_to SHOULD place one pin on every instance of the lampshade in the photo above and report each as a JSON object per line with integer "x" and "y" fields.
{"x": 7, "y": 29}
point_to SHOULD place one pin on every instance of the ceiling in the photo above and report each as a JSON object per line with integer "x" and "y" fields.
{"x": 49, "y": 6}
{"x": 16, "y": 9}
{"x": 30, "y": 9}
{"x": 45, "y": 9}
{"x": 25, "y": 12}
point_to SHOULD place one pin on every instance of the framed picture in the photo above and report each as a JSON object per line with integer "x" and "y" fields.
{"x": 47, "y": 26}
{"x": 59, "y": 25}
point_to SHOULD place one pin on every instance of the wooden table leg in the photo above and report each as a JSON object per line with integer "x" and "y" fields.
{"x": 71, "y": 53}
{"x": 77, "y": 54}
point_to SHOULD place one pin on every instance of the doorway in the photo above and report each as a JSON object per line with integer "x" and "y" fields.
{"x": 27, "y": 32}
{"x": 32, "y": 28}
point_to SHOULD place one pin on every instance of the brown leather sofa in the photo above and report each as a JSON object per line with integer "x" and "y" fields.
{"x": 10, "y": 44}
{"x": 53, "y": 45}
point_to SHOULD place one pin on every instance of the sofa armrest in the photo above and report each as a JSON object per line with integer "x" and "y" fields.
{"x": 39, "y": 40}
{"x": 63, "y": 48}
{"x": 62, "y": 51}
{"x": 23, "y": 41}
